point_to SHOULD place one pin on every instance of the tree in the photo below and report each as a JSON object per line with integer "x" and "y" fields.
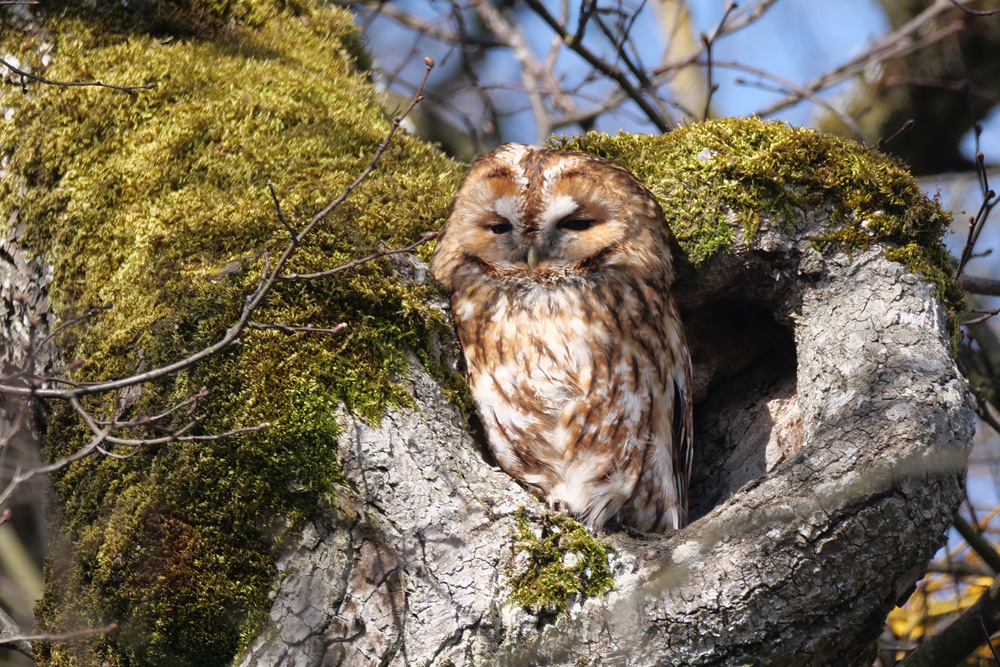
{"x": 364, "y": 508}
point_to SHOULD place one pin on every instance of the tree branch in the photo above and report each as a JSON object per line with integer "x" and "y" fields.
{"x": 130, "y": 90}
{"x": 962, "y": 636}
{"x": 573, "y": 41}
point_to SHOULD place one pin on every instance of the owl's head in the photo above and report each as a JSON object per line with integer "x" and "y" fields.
{"x": 547, "y": 216}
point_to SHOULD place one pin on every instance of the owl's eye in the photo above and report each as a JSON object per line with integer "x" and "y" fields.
{"x": 576, "y": 224}
{"x": 501, "y": 228}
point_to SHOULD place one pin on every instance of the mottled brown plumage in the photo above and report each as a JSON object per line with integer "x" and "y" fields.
{"x": 559, "y": 269}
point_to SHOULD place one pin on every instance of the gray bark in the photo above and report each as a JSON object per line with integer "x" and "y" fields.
{"x": 833, "y": 431}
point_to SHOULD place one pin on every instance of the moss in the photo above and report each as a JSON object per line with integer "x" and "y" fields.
{"x": 158, "y": 203}
{"x": 565, "y": 560}
{"x": 745, "y": 167}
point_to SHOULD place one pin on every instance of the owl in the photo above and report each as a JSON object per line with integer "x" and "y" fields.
{"x": 559, "y": 269}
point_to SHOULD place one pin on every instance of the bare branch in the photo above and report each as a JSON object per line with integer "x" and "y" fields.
{"x": 894, "y": 45}
{"x": 907, "y": 126}
{"x": 64, "y": 637}
{"x": 573, "y": 42}
{"x": 707, "y": 41}
{"x": 973, "y": 12}
{"x": 962, "y": 636}
{"x": 805, "y": 93}
{"x": 986, "y": 314}
{"x": 277, "y": 209}
{"x": 414, "y": 22}
{"x": 978, "y": 222}
{"x": 130, "y": 90}
{"x": 294, "y": 330}
{"x": 512, "y": 36}
{"x": 76, "y": 320}
{"x": 978, "y": 543}
{"x": 429, "y": 236}
{"x": 151, "y": 419}
{"x": 179, "y": 437}
{"x": 11, "y": 633}
{"x": 20, "y": 477}
{"x": 977, "y": 285}
{"x": 962, "y": 569}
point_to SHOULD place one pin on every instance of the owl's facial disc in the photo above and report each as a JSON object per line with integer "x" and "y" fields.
{"x": 549, "y": 215}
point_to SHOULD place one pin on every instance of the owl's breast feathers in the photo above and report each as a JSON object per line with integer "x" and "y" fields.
{"x": 577, "y": 383}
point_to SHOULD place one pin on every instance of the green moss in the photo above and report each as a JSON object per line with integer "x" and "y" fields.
{"x": 565, "y": 560}
{"x": 706, "y": 175}
{"x": 158, "y": 203}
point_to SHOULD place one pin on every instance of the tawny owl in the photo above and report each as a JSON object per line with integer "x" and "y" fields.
{"x": 559, "y": 269}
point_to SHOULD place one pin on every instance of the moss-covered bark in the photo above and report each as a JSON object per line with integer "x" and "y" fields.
{"x": 745, "y": 167}
{"x": 158, "y": 203}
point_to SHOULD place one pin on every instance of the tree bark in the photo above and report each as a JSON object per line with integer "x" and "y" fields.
{"x": 831, "y": 510}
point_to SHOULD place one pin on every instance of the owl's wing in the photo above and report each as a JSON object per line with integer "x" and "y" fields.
{"x": 682, "y": 449}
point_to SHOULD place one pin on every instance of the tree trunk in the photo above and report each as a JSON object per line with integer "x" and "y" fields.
{"x": 827, "y": 519}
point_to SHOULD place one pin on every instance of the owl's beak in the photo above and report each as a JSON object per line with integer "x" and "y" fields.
{"x": 532, "y": 258}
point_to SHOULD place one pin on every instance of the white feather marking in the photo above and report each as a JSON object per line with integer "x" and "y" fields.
{"x": 490, "y": 400}
{"x": 465, "y": 309}
{"x": 510, "y": 209}
{"x": 556, "y": 208}
{"x": 513, "y": 153}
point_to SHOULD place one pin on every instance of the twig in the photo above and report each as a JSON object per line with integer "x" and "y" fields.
{"x": 64, "y": 637}
{"x": 894, "y": 45}
{"x": 712, "y": 87}
{"x": 420, "y": 24}
{"x": 293, "y": 330}
{"x": 907, "y": 126}
{"x": 130, "y": 90}
{"x": 20, "y": 477}
{"x": 514, "y": 39}
{"x": 151, "y": 419}
{"x": 428, "y": 236}
{"x": 955, "y": 86}
{"x": 587, "y": 8}
{"x": 973, "y": 12}
{"x": 978, "y": 221}
{"x": 986, "y": 314}
{"x": 277, "y": 209}
{"x": 978, "y": 543}
{"x": 989, "y": 639}
{"x": 76, "y": 320}
{"x": 11, "y": 630}
{"x": 604, "y": 68}
{"x": 179, "y": 437}
{"x": 961, "y": 569}
{"x": 983, "y": 410}
{"x": 707, "y": 41}
{"x": 962, "y": 636}
{"x": 805, "y": 93}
